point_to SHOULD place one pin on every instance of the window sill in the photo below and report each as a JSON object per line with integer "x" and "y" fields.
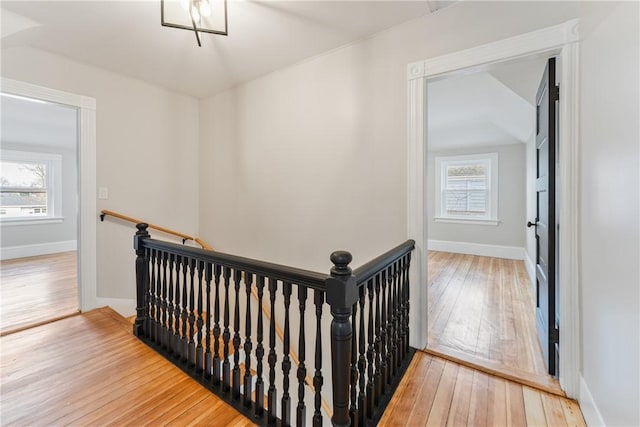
{"x": 476, "y": 221}
{"x": 31, "y": 221}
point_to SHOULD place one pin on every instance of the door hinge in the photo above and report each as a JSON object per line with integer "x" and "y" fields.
{"x": 554, "y": 335}
{"x": 556, "y": 93}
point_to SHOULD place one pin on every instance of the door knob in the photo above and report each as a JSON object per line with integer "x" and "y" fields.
{"x": 532, "y": 224}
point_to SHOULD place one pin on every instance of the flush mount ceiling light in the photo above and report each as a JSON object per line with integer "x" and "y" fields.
{"x": 199, "y": 16}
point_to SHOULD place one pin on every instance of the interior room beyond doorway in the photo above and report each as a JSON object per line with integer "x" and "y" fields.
{"x": 480, "y": 193}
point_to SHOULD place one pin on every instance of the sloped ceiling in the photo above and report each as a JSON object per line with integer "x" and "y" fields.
{"x": 126, "y": 36}
{"x": 486, "y": 107}
{"x": 37, "y": 123}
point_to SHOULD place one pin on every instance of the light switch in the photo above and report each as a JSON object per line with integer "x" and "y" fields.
{"x": 103, "y": 193}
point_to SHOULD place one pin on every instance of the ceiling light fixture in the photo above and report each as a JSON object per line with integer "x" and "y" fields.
{"x": 199, "y": 16}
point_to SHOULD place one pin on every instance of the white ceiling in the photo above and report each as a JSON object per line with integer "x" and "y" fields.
{"x": 126, "y": 36}
{"x": 37, "y": 123}
{"x": 489, "y": 106}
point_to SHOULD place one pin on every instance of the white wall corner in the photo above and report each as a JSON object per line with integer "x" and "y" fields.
{"x": 23, "y": 251}
{"x": 588, "y": 406}
{"x": 124, "y": 306}
{"x": 496, "y": 251}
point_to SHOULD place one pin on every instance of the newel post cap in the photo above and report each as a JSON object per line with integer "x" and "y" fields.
{"x": 342, "y": 291}
{"x": 341, "y": 260}
{"x": 140, "y": 234}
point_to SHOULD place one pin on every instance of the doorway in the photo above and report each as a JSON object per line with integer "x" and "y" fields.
{"x": 87, "y": 213}
{"x": 561, "y": 41}
{"x": 38, "y": 212}
{"x": 480, "y": 180}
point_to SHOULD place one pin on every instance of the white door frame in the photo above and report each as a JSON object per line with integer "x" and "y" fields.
{"x": 560, "y": 40}
{"x": 87, "y": 183}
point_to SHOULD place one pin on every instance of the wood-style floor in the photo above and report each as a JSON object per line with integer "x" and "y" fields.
{"x": 89, "y": 370}
{"x": 436, "y": 392}
{"x": 37, "y": 289}
{"x": 481, "y": 309}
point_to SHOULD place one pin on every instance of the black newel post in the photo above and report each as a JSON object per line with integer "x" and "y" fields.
{"x": 142, "y": 278}
{"x": 342, "y": 293}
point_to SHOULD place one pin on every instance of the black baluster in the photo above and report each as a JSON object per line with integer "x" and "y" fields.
{"x": 399, "y": 319}
{"x": 153, "y": 295}
{"x": 259, "y": 351}
{"x": 191, "y": 358}
{"x": 150, "y": 299}
{"x": 393, "y": 285}
{"x": 200, "y": 321}
{"x": 216, "y": 327}
{"x": 286, "y": 360}
{"x": 226, "y": 335}
{"x": 302, "y": 370}
{"x": 379, "y": 376}
{"x": 208, "y": 358}
{"x": 164, "y": 331}
{"x": 407, "y": 300}
{"x": 389, "y": 324}
{"x": 317, "y": 377}
{"x": 236, "y": 337}
{"x": 342, "y": 294}
{"x": 158, "y": 299}
{"x": 248, "y": 279}
{"x": 185, "y": 310}
{"x": 142, "y": 280}
{"x": 403, "y": 305}
{"x": 370, "y": 353}
{"x": 273, "y": 357}
{"x": 383, "y": 333}
{"x": 362, "y": 361}
{"x": 353, "y": 389}
{"x": 176, "y": 308}
{"x": 170, "y": 307}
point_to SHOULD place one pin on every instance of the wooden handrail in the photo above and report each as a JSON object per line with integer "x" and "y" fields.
{"x": 165, "y": 230}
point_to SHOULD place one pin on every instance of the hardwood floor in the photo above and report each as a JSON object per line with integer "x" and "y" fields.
{"x": 481, "y": 309}
{"x": 37, "y": 289}
{"x": 89, "y": 370}
{"x": 437, "y": 392}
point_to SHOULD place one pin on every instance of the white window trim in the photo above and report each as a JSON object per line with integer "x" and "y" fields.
{"x": 492, "y": 186}
{"x": 54, "y": 185}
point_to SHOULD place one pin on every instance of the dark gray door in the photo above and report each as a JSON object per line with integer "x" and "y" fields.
{"x": 547, "y": 316}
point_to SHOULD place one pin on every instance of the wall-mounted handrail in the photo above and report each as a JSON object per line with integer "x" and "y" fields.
{"x": 205, "y": 246}
{"x": 183, "y": 236}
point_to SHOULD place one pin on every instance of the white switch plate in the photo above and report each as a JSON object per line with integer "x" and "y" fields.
{"x": 103, "y": 193}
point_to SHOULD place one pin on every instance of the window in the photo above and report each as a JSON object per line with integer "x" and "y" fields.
{"x": 467, "y": 188}
{"x": 30, "y": 186}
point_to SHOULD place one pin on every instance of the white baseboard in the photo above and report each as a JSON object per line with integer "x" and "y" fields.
{"x": 124, "y": 306}
{"x": 23, "y": 251}
{"x": 496, "y": 251}
{"x": 588, "y": 406}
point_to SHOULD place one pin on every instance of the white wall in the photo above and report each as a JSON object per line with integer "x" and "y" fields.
{"x": 609, "y": 204}
{"x": 147, "y": 149}
{"x": 312, "y": 158}
{"x": 511, "y": 200}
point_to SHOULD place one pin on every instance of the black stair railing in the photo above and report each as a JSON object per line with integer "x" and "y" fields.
{"x": 194, "y": 307}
